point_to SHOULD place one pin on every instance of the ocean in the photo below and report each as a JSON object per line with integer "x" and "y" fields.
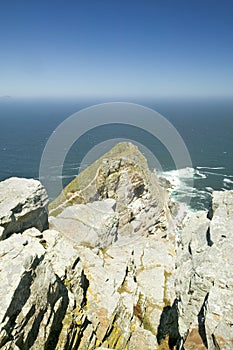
{"x": 205, "y": 125}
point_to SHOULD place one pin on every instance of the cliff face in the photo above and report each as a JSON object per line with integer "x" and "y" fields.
{"x": 123, "y": 176}
{"x": 204, "y": 283}
{"x": 110, "y": 273}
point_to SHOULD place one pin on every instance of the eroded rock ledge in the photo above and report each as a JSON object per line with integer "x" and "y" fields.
{"x": 110, "y": 273}
{"x": 23, "y": 204}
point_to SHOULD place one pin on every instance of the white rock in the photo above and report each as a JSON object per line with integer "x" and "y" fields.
{"x": 94, "y": 224}
{"x": 23, "y": 204}
{"x": 142, "y": 339}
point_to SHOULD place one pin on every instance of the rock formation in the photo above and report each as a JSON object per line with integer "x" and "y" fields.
{"x": 93, "y": 224}
{"x": 23, "y": 204}
{"x": 112, "y": 271}
{"x": 204, "y": 283}
{"x": 123, "y": 175}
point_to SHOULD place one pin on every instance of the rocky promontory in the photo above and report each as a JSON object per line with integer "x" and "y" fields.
{"x": 112, "y": 264}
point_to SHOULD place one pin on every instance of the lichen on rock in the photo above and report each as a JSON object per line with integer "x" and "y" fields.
{"x": 111, "y": 272}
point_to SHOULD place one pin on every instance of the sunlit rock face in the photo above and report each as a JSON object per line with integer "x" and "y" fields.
{"x": 115, "y": 269}
{"x": 93, "y": 224}
{"x": 204, "y": 281}
{"x": 123, "y": 175}
{"x": 23, "y": 204}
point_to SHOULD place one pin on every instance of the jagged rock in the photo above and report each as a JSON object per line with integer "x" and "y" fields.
{"x": 90, "y": 284}
{"x": 204, "y": 281}
{"x": 221, "y": 226}
{"x": 89, "y": 308}
{"x": 107, "y": 304}
{"x": 142, "y": 339}
{"x": 219, "y": 306}
{"x": 18, "y": 257}
{"x": 101, "y": 296}
{"x": 23, "y": 204}
{"x": 32, "y": 232}
{"x": 191, "y": 288}
{"x": 33, "y": 301}
{"x": 113, "y": 303}
{"x": 138, "y": 265}
{"x": 93, "y": 224}
{"x": 123, "y": 175}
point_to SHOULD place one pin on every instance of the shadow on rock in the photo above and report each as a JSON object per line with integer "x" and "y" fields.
{"x": 168, "y": 330}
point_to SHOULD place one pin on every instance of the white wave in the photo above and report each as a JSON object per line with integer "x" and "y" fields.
{"x": 185, "y": 173}
{"x": 228, "y": 181}
{"x": 65, "y": 176}
{"x": 182, "y": 174}
{"x": 209, "y": 189}
{"x": 211, "y": 168}
{"x": 198, "y": 173}
{"x": 75, "y": 168}
{"x": 182, "y": 189}
{"x": 217, "y": 174}
{"x": 54, "y": 178}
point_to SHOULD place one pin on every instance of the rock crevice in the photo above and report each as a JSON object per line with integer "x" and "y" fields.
{"x": 118, "y": 268}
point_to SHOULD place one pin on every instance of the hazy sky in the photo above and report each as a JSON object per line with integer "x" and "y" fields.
{"x": 116, "y": 47}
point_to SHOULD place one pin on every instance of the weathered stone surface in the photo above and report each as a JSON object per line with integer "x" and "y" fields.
{"x": 17, "y": 258}
{"x": 93, "y": 224}
{"x": 123, "y": 175}
{"x": 100, "y": 296}
{"x": 88, "y": 284}
{"x": 115, "y": 303}
{"x": 194, "y": 340}
{"x": 144, "y": 273}
{"x": 204, "y": 281}
{"x": 142, "y": 339}
{"x": 23, "y": 204}
{"x": 33, "y": 302}
{"x": 222, "y": 222}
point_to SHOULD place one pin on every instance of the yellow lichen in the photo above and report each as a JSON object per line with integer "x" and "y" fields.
{"x": 164, "y": 344}
{"x": 166, "y": 300}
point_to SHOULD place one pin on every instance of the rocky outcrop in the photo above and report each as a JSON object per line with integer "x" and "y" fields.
{"x": 105, "y": 298}
{"x": 123, "y": 175}
{"x": 204, "y": 281}
{"x": 94, "y": 224}
{"x": 23, "y": 204}
{"x": 101, "y": 279}
{"x": 33, "y": 300}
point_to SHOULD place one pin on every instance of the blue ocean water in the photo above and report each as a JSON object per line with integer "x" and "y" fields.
{"x": 206, "y": 126}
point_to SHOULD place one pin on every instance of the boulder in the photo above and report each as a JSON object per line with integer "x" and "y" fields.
{"x": 93, "y": 224}
{"x": 23, "y": 204}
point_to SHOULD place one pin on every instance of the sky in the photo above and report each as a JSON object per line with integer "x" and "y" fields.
{"x": 147, "y": 48}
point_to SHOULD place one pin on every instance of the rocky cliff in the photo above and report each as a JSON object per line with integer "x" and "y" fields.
{"x": 115, "y": 269}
